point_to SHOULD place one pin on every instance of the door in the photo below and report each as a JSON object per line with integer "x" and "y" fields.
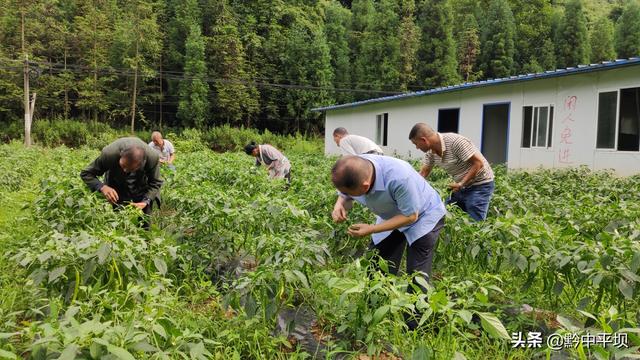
{"x": 495, "y": 132}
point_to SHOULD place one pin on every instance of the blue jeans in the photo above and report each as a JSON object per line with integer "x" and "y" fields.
{"x": 474, "y": 200}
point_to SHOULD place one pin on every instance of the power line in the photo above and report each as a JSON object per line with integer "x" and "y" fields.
{"x": 181, "y": 76}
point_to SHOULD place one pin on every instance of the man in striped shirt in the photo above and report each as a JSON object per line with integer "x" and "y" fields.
{"x": 354, "y": 144}
{"x": 473, "y": 178}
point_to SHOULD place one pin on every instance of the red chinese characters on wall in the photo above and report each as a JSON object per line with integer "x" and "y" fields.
{"x": 565, "y": 148}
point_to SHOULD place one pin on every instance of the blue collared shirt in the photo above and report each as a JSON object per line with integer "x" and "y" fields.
{"x": 399, "y": 189}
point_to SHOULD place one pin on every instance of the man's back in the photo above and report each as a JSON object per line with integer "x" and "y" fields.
{"x": 356, "y": 145}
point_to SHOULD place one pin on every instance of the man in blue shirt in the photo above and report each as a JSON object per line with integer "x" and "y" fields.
{"x": 407, "y": 208}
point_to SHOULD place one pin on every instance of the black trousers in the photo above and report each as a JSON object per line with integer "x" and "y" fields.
{"x": 419, "y": 254}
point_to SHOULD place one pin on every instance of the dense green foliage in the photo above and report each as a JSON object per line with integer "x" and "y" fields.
{"x": 233, "y": 260}
{"x": 265, "y": 64}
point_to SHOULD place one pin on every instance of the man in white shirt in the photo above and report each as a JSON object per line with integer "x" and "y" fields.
{"x": 164, "y": 148}
{"x": 354, "y": 144}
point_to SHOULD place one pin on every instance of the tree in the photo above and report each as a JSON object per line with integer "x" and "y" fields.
{"x": 533, "y": 26}
{"x": 234, "y": 98}
{"x": 409, "y": 35}
{"x": 469, "y": 50}
{"x": 627, "y": 36}
{"x": 498, "y": 46}
{"x": 94, "y": 38}
{"x": 193, "y": 106}
{"x": 572, "y": 44}
{"x": 437, "y": 64}
{"x": 336, "y": 30}
{"x": 602, "y": 40}
{"x": 138, "y": 45}
{"x": 361, "y": 37}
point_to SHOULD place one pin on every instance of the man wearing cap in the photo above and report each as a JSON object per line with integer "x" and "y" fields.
{"x": 473, "y": 177}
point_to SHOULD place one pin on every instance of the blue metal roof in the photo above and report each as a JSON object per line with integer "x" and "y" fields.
{"x": 605, "y": 65}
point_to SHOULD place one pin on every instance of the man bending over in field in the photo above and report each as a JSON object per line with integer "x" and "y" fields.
{"x": 407, "y": 209}
{"x": 473, "y": 186}
{"x": 354, "y": 144}
{"x": 131, "y": 174}
{"x": 164, "y": 148}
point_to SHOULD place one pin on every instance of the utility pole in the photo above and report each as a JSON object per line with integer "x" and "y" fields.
{"x": 28, "y": 105}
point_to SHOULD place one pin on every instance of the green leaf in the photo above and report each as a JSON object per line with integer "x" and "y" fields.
{"x": 144, "y": 346}
{"x": 521, "y": 262}
{"x": 465, "y": 315}
{"x": 475, "y": 251}
{"x": 493, "y": 326}
{"x": 56, "y": 273}
{"x": 422, "y": 282}
{"x": 302, "y": 277}
{"x": 632, "y": 277}
{"x": 4, "y": 336}
{"x": 69, "y": 352}
{"x": 45, "y": 256}
{"x": 103, "y": 252}
{"x": 380, "y": 313}
{"x": 567, "y": 323}
{"x": 121, "y": 353}
{"x": 160, "y": 265}
{"x": 635, "y": 262}
{"x": 459, "y": 356}
{"x": 558, "y": 287}
{"x": 626, "y": 289}
{"x": 422, "y": 353}
{"x": 159, "y": 329}
{"x": 4, "y": 354}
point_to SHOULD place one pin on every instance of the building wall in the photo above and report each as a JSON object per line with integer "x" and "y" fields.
{"x": 574, "y": 125}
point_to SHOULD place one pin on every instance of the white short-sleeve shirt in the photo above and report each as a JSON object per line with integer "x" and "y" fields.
{"x": 166, "y": 151}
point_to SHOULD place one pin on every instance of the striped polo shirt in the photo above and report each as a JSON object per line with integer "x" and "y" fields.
{"x": 456, "y": 151}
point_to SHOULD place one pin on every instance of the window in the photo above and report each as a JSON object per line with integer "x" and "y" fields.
{"x": 607, "y": 102}
{"x": 382, "y": 125}
{"x": 628, "y": 130}
{"x": 448, "y": 120}
{"x": 619, "y": 120}
{"x": 537, "y": 126}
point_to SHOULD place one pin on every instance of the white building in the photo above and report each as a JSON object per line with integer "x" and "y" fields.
{"x": 588, "y": 115}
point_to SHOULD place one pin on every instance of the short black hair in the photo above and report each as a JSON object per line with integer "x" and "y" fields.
{"x": 420, "y": 129}
{"x": 133, "y": 155}
{"x": 349, "y": 172}
{"x": 340, "y": 131}
{"x": 248, "y": 149}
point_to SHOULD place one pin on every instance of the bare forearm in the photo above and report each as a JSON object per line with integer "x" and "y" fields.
{"x": 425, "y": 170}
{"x": 395, "y": 222}
{"x": 471, "y": 174}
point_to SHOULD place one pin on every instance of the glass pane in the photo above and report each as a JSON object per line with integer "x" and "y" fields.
{"x": 607, "y": 102}
{"x": 550, "y": 126}
{"x": 629, "y": 130}
{"x": 542, "y": 126}
{"x": 385, "y": 128}
{"x": 526, "y": 126}
{"x": 378, "y": 128}
{"x": 535, "y": 127}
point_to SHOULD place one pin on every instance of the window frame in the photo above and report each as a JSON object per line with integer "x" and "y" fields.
{"x": 535, "y": 125}
{"x": 617, "y": 89}
{"x": 382, "y": 128}
{"x": 616, "y": 120}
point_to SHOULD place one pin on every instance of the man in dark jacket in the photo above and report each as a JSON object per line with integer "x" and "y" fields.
{"x": 131, "y": 174}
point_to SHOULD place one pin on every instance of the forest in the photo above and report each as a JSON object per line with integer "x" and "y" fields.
{"x": 266, "y": 64}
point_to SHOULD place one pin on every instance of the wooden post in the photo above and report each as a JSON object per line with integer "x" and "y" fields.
{"x": 135, "y": 90}
{"x": 27, "y": 105}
